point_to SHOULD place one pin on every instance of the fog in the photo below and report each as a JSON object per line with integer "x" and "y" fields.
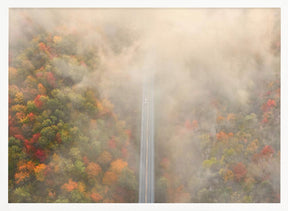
{"x": 197, "y": 57}
{"x": 204, "y": 50}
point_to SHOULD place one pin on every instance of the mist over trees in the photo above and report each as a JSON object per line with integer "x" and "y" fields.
{"x": 218, "y": 120}
{"x": 75, "y": 92}
{"x": 66, "y": 144}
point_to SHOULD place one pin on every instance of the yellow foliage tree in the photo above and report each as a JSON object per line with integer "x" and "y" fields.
{"x": 96, "y": 197}
{"x": 93, "y": 169}
{"x": 104, "y": 158}
{"x": 81, "y": 187}
{"x": 109, "y": 178}
{"x": 40, "y": 171}
{"x": 228, "y": 175}
{"x": 57, "y": 39}
{"x": 21, "y": 176}
{"x": 118, "y": 165}
{"x": 41, "y": 89}
{"x": 24, "y": 170}
{"x": 70, "y": 186}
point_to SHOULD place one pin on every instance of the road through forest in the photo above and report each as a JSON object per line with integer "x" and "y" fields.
{"x": 146, "y": 182}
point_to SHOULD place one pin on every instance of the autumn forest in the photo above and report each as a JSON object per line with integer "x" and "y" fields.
{"x": 75, "y": 96}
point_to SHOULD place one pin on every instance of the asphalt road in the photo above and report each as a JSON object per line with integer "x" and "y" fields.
{"x": 146, "y": 182}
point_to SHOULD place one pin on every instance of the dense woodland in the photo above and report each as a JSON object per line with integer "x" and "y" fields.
{"x": 240, "y": 162}
{"x": 66, "y": 144}
{"x": 215, "y": 149}
{"x": 74, "y": 125}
